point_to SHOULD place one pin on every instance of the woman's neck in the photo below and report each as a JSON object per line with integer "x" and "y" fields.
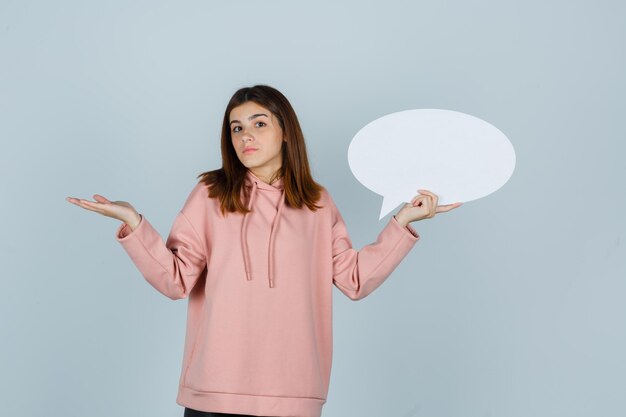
{"x": 266, "y": 177}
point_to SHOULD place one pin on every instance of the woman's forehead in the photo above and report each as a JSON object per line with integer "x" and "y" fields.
{"x": 248, "y": 109}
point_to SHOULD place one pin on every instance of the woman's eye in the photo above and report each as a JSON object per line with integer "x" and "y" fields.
{"x": 235, "y": 128}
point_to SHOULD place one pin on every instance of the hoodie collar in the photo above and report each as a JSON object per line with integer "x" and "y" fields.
{"x": 277, "y": 185}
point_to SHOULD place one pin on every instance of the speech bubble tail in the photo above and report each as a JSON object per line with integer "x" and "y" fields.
{"x": 388, "y": 205}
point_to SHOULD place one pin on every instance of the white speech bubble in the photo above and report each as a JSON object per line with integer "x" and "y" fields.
{"x": 452, "y": 154}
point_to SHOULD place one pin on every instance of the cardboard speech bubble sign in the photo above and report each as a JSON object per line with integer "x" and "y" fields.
{"x": 455, "y": 155}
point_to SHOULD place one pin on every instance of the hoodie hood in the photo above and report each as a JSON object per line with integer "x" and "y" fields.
{"x": 258, "y": 186}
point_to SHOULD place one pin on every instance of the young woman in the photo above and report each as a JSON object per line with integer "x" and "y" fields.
{"x": 257, "y": 248}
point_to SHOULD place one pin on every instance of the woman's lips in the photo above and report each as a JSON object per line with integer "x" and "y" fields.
{"x": 250, "y": 150}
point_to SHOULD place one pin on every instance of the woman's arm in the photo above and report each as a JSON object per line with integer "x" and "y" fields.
{"x": 358, "y": 273}
{"x": 172, "y": 267}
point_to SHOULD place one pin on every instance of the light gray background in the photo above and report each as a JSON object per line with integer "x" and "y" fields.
{"x": 512, "y": 305}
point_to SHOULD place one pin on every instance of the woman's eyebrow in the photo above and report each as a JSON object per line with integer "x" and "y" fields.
{"x": 250, "y": 118}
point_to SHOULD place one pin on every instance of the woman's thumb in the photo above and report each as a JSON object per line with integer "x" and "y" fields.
{"x": 100, "y": 199}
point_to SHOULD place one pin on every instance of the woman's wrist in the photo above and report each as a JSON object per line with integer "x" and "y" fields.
{"x": 134, "y": 222}
{"x": 401, "y": 220}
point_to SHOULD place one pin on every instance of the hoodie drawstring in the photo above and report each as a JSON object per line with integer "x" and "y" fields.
{"x": 270, "y": 258}
{"x": 244, "y": 241}
{"x": 244, "y": 228}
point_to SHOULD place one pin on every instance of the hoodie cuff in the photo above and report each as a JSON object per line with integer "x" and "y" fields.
{"x": 124, "y": 229}
{"x": 408, "y": 227}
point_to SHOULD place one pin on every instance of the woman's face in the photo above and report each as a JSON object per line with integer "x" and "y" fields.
{"x": 257, "y": 138}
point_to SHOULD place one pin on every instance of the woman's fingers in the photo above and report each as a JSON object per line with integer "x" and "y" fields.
{"x": 447, "y": 207}
{"x": 73, "y": 200}
{"x": 418, "y": 198}
{"x": 91, "y": 205}
{"x": 86, "y": 204}
{"x": 425, "y": 205}
{"x": 432, "y": 195}
{"x": 432, "y": 202}
{"x": 120, "y": 210}
{"x": 423, "y": 202}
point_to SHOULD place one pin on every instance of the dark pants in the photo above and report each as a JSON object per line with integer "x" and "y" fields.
{"x": 189, "y": 412}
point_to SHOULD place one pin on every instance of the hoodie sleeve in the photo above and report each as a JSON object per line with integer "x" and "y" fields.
{"x": 172, "y": 267}
{"x": 358, "y": 273}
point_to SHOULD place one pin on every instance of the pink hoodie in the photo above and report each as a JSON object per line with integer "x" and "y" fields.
{"x": 259, "y": 324}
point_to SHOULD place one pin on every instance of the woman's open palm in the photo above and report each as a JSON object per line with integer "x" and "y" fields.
{"x": 120, "y": 210}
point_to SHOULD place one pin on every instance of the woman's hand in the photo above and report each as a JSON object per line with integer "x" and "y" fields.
{"x": 120, "y": 210}
{"x": 422, "y": 206}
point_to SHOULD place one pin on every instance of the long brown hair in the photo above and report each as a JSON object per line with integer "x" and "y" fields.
{"x": 227, "y": 182}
